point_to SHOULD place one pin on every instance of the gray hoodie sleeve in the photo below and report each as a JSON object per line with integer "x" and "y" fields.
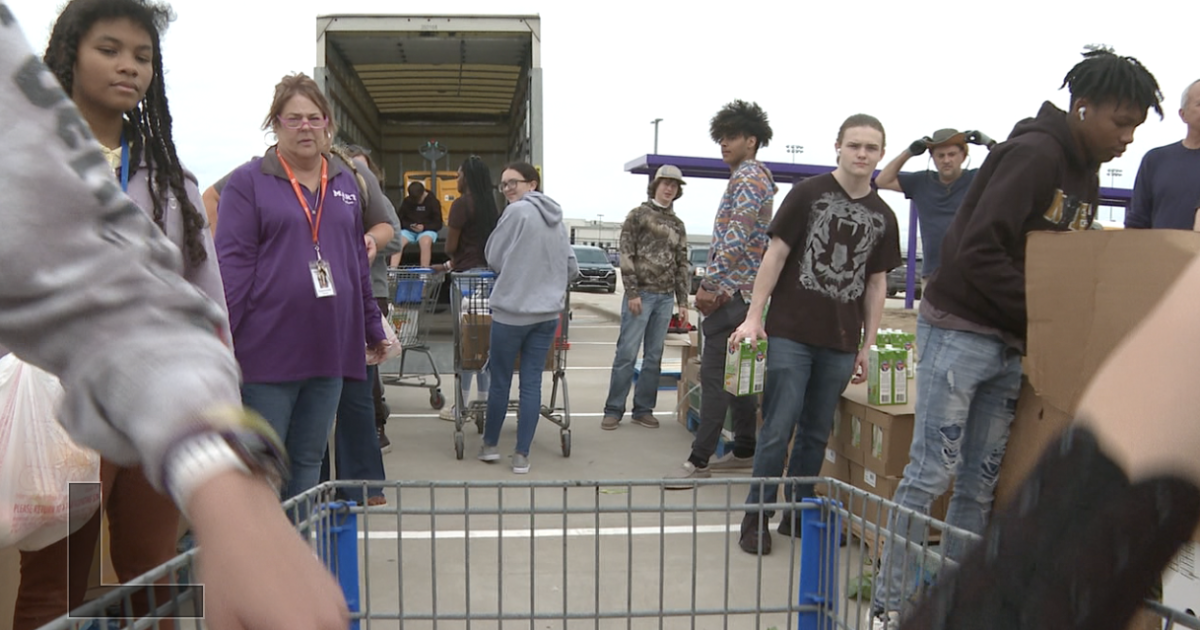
{"x": 133, "y": 342}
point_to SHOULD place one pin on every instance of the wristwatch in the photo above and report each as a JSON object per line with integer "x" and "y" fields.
{"x": 237, "y": 439}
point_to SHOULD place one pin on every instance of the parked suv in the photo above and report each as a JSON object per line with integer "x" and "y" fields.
{"x": 595, "y": 272}
{"x": 897, "y": 279}
{"x": 698, "y": 258}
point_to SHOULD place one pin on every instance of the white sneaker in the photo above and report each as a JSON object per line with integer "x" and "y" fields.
{"x": 682, "y": 478}
{"x": 447, "y": 413}
{"x": 887, "y": 621}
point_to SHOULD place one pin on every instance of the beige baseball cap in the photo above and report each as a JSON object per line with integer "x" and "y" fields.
{"x": 670, "y": 171}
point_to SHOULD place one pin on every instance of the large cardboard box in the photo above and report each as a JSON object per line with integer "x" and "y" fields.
{"x": 475, "y": 336}
{"x": 475, "y": 341}
{"x": 1086, "y": 291}
{"x": 889, "y": 439}
{"x": 855, "y": 431}
{"x": 835, "y": 466}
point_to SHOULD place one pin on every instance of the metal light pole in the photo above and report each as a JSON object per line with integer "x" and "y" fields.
{"x": 794, "y": 149}
{"x": 1113, "y": 174}
{"x": 600, "y": 230}
{"x": 655, "y": 123}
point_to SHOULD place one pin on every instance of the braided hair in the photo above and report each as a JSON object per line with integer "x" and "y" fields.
{"x": 148, "y": 125}
{"x": 483, "y": 198}
{"x": 740, "y": 118}
{"x": 1105, "y": 77}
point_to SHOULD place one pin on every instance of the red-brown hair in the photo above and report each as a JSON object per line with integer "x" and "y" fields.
{"x": 298, "y": 85}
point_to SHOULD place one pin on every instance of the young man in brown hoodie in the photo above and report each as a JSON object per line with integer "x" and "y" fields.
{"x": 972, "y": 323}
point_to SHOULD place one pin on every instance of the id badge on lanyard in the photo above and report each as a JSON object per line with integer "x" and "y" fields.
{"x": 322, "y": 274}
{"x": 124, "y": 164}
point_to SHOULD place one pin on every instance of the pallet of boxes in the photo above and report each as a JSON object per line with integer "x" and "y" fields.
{"x": 869, "y": 446}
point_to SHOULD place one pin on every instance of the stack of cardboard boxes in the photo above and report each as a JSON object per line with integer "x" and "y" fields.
{"x": 872, "y": 432}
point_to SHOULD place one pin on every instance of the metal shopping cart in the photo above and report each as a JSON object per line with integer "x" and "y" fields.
{"x": 414, "y": 292}
{"x": 578, "y": 554}
{"x": 470, "y": 294}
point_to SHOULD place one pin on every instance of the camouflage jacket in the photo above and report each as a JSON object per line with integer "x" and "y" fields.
{"x": 654, "y": 255}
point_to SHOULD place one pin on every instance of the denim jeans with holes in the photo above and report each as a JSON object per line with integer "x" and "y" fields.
{"x": 967, "y": 389}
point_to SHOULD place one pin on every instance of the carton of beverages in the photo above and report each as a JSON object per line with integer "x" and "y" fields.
{"x": 899, "y": 361}
{"x": 879, "y": 376}
{"x": 746, "y": 367}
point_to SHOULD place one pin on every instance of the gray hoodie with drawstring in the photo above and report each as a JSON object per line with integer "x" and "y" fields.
{"x": 533, "y": 260}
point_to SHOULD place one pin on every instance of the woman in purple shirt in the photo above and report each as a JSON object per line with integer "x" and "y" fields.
{"x": 297, "y": 281}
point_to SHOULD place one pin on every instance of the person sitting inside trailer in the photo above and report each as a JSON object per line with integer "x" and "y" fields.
{"x": 420, "y": 221}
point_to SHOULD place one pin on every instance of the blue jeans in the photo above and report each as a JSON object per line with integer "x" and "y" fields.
{"x": 800, "y": 395}
{"x": 648, "y": 330}
{"x": 356, "y": 439}
{"x": 533, "y": 343}
{"x": 302, "y": 413}
{"x": 967, "y": 389}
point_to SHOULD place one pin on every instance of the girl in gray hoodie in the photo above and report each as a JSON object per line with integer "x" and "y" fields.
{"x": 534, "y": 264}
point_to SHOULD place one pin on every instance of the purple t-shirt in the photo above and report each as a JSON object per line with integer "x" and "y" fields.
{"x": 281, "y": 330}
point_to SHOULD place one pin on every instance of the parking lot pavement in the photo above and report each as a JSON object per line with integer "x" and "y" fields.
{"x": 423, "y": 446}
{"x": 682, "y": 561}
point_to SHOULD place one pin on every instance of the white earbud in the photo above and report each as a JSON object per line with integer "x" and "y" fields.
{"x": 1082, "y": 111}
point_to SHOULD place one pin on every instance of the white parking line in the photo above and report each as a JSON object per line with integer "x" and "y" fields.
{"x": 434, "y": 414}
{"x": 570, "y": 532}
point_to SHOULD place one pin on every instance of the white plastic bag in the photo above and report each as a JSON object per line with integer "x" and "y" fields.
{"x": 38, "y": 461}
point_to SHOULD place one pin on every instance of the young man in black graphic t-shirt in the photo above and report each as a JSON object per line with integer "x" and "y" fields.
{"x": 832, "y": 243}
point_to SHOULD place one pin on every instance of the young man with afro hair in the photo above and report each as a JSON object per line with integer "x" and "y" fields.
{"x": 739, "y": 240}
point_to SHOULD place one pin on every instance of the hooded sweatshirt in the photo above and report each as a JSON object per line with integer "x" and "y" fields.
{"x": 1039, "y": 179}
{"x": 533, "y": 260}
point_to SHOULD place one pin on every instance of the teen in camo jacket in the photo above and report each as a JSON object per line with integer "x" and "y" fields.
{"x": 654, "y": 270}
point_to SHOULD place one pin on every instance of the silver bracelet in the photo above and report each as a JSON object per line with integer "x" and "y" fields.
{"x": 197, "y": 460}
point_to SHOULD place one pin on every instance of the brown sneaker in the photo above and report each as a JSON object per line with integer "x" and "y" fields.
{"x": 756, "y": 535}
{"x": 610, "y": 423}
{"x": 648, "y": 421}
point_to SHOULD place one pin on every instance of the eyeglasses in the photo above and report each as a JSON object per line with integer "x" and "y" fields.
{"x": 512, "y": 183}
{"x": 297, "y": 123}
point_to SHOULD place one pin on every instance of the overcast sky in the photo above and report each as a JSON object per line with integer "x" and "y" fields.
{"x": 612, "y": 67}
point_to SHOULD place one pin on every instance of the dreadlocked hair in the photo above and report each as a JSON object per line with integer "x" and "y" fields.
{"x": 740, "y": 118}
{"x": 1104, "y": 77}
{"x": 483, "y": 198}
{"x": 148, "y": 125}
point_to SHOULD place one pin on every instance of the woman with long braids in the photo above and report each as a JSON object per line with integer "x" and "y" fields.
{"x": 472, "y": 220}
{"x": 108, "y": 58}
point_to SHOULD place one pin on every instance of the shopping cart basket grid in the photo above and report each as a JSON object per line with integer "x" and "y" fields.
{"x": 591, "y": 556}
{"x": 415, "y": 292}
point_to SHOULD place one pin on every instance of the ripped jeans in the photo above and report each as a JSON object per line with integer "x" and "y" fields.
{"x": 967, "y": 389}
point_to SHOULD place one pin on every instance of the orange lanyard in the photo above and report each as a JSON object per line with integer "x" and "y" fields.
{"x": 313, "y": 224}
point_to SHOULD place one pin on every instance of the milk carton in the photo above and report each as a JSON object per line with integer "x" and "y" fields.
{"x": 899, "y": 362}
{"x": 909, "y": 344}
{"x": 746, "y": 367}
{"x": 879, "y": 376}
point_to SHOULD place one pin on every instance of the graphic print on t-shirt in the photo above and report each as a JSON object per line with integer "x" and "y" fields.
{"x": 1070, "y": 212}
{"x": 835, "y": 254}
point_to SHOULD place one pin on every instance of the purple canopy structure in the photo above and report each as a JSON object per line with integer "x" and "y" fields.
{"x": 785, "y": 172}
